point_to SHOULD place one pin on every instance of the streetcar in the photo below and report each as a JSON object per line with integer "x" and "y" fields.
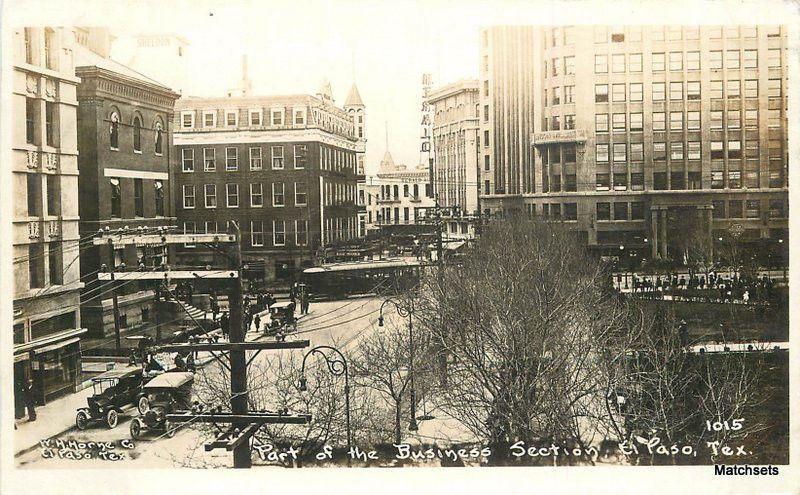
{"x": 340, "y": 280}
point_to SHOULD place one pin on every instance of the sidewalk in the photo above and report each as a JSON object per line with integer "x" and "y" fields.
{"x": 58, "y": 416}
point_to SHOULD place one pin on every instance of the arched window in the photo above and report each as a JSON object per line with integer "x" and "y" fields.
{"x": 137, "y": 134}
{"x": 159, "y": 138}
{"x": 114, "y": 131}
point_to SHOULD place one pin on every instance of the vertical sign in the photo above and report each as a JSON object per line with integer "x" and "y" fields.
{"x": 427, "y": 129}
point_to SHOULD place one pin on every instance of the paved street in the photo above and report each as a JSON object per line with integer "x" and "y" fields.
{"x": 337, "y": 323}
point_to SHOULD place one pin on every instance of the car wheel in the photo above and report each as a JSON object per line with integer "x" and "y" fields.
{"x": 170, "y": 428}
{"x": 82, "y": 420}
{"x": 143, "y": 404}
{"x": 136, "y": 428}
{"x": 112, "y": 418}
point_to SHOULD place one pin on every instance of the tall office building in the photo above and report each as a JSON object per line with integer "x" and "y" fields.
{"x": 639, "y": 133}
{"x": 44, "y": 174}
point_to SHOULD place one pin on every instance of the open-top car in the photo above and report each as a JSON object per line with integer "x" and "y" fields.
{"x": 165, "y": 394}
{"x": 112, "y": 391}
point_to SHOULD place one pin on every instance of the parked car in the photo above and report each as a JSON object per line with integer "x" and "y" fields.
{"x": 281, "y": 318}
{"x": 112, "y": 391}
{"x": 165, "y": 394}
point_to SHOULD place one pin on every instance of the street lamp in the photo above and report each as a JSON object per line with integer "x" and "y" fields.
{"x": 406, "y": 312}
{"x": 337, "y": 365}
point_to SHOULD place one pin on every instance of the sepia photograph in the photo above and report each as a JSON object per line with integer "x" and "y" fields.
{"x": 308, "y": 239}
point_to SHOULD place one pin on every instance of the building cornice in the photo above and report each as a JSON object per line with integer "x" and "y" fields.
{"x": 112, "y": 84}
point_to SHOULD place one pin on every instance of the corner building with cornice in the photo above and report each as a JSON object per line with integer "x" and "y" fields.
{"x": 284, "y": 168}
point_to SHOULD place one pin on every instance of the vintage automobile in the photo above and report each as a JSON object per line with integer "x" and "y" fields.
{"x": 281, "y": 318}
{"x": 165, "y": 394}
{"x": 113, "y": 390}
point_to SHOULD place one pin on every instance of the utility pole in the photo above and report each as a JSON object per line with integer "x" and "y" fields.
{"x": 114, "y": 299}
{"x": 241, "y": 454}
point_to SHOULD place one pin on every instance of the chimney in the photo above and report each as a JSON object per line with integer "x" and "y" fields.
{"x": 246, "y": 85}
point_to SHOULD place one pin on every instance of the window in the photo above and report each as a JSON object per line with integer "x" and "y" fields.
{"x": 675, "y": 60}
{"x": 556, "y": 63}
{"x": 637, "y": 152}
{"x": 618, "y": 122}
{"x": 776, "y": 209}
{"x": 620, "y": 152}
{"x": 717, "y": 150}
{"x": 715, "y": 59}
{"x": 753, "y": 208}
{"x": 277, "y": 116}
{"x": 601, "y": 152}
{"x": 750, "y": 59}
{"x": 751, "y": 88}
{"x": 693, "y": 90}
{"x": 659, "y": 91}
{"x": 718, "y": 211}
{"x": 301, "y": 232}
{"x": 232, "y": 195}
{"x": 600, "y": 34}
{"x": 675, "y": 151}
{"x": 278, "y": 198}
{"x": 114, "y": 131}
{"x": 636, "y": 91}
{"x": 556, "y": 123}
{"x": 556, "y": 95}
{"x": 636, "y": 122}
{"x": 569, "y": 122}
{"x": 659, "y": 151}
{"x": 211, "y": 195}
{"x": 603, "y": 211}
{"x": 301, "y": 195}
{"x": 659, "y": 121}
{"x": 255, "y": 158}
{"x": 256, "y": 233}
{"x": 774, "y": 88}
{"x": 635, "y": 33}
{"x": 635, "y": 62}
{"x": 300, "y": 152}
{"x": 28, "y": 56}
{"x": 277, "y": 157}
{"x": 159, "y": 197}
{"x": 210, "y": 119}
{"x": 601, "y": 122}
{"x": 570, "y": 211}
{"x": 256, "y": 195}
{"x": 570, "y": 183}
{"x": 657, "y": 33}
{"x": 618, "y": 92}
{"x": 138, "y": 197}
{"x": 620, "y": 211}
{"x": 637, "y": 182}
{"x": 693, "y": 120}
{"x": 159, "y": 144}
{"x": 674, "y": 33}
{"x": 30, "y": 121}
{"x": 278, "y": 232}
{"x": 716, "y": 119}
{"x": 732, "y": 88}
{"x": 751, "y": 119}
{"x": 621, "y": 181}
{"x": 660, "y": 181}
{"x": 693, "y": 60}
{"x": 735, "y": 209}
{"x": 658, "y": 62}
{"x": 732, "y": 31}
{"x": 209, "y": 159}
{"x": 300, "y": 116}
{"x": 676, "y": 91}
{"x": 187, "y": 120}
{"x": 187, "y": 157}
{"x": 715, "y": 89}
{"x": 49, "y": 58}
{"x": 617, "y": 37}
{"x": 637, "y": 210}
{"x": 676, "y": 121}
{"x": 49, "y": 122}
{"x": 569, "y": 67}
{"x": 734, "y": 119}
{"x": 255, "y": 118}
{"x": 601, "y": 93}
{"x": 774, "y": 58}
{"x": 734, "y": 149}
{"x": 188, "y": 197}
{"x": 602, "y": 182}
{"x": 732, "y": 59}
{"x": 677, "y": 180}
{"x": 618, "y": 62}
{"x": 231, "y": 118}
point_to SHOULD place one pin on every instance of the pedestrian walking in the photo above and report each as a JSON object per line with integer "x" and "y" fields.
{"x": 257, "y": 321}
{"x": 224, "y": 324}
{"x": 304, "y": 302}
{"x": 746, "y": 297}
{"x": 29, "y": 397}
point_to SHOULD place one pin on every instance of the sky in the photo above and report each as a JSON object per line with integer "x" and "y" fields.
{"x": 292, "y": 48}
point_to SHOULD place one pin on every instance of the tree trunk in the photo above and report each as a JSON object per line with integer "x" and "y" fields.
{"x": 397, "y": 430}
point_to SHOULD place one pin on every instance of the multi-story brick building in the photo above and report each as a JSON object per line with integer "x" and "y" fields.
{"x": 633, "y": 133}
{"x": 455, "y": 144}
{"x": 284, "y": 167}
{"x": 45, "y": 238}
{"x": 124, "y": 138}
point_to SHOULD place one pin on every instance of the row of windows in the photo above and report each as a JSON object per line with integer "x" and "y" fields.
{"x": 136, "y": 129}
{"x": 677, "y": 33}
{"x": 750, "y": 208}
{"x": 256, "y": 195}
{"x": 257, "y": 233}
{"x": 255, "y": 117}
{"x": 254, "y": 154}
{"x": 676, "y": 150}
{"x": 677, "y": 61}
{"x": 138, "y": 197}
{"x": 33, "y": 119}
{"x": 622, "y": 211}
{"x": 620, "y": 122}
{"x": 732, "y": 89}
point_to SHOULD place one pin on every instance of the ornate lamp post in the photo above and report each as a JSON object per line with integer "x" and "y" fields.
{"x": 406, "y": 312}
{"x": 337, "y": 365}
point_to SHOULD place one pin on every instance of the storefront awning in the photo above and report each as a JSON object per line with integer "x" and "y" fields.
{"x": 48, "y": 343}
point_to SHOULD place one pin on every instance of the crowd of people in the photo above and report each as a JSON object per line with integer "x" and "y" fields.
{"x": 718, "y": 287}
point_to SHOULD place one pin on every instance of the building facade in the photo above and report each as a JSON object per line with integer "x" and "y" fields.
{"x": 456, "y": 109}
{"x": 635, "y": 132}
{"x": 283, "y": 167}
{"x": 124, "y": 138}
{"x": 46, "y": 243}
{"x": 395, "y": 193}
